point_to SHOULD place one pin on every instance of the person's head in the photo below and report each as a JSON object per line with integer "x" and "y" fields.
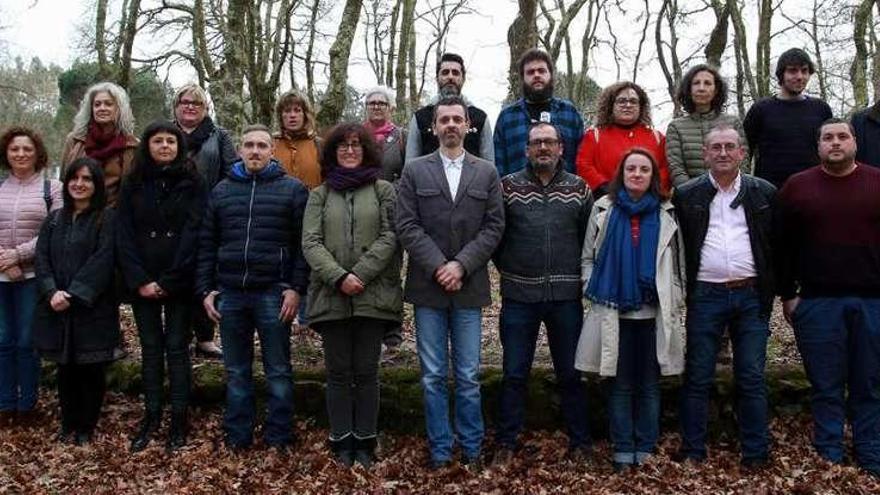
{"x": 450, "y": 74}
{"x": 451, "y": 122}
{"x": 105, "y": 104}
{"x": 793, "y": 71}
{"x": 349, "y": 145}
{"x": 190, "y": 105}
{"x": 837, "y": 144}
{"x": 536, "y": 74}
{"x": 380, "y": 104}
{"x": 702, "y": 89}
{"x": 256, "y": 147}
{"x": 295, "y": 114}
{"x": 638, "y": 173}
{"x": 162, "y": 144}
{"x": 84, "y": 185}
{"x": 23, "y": 151}
{"x": 544, "y": 148}
{"x": 723, "y": 150}
{"x": 623, "y": 103}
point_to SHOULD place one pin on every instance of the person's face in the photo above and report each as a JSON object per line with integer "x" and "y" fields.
{"x": 104, "y": 109}
{"x": 163, "y": 147}
{"x": 703, "y": 89}
{"x": 450, "y": 78}
{"x": 536, "y": 75}
{"x": 626, "y": 110}
{"x": 836, "y": 144}
{"x": 722, "y": 151}
{"x": 350, "y": 152}
{"x": 544, "y": 148}
{"x": 293, "y": 118}
{"x": 256, "y": 150}
{"x": 81, "y": 187}
{"x": 637, "y": 175}
{"x": 378, "y": 108}
{"x": 450, "y": 125}
{"x": 21, "y": 154}
{"x": 190, "y": 110}
{"x": 795, "y": 79}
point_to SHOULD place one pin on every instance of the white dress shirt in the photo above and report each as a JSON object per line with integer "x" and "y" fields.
{"x": 726, "y": 254}
{"x": 452, "y": 167}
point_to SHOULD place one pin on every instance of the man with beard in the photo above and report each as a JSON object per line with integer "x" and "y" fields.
{"x": 422, "y": 140}
{"x": 546, "y": 210}
{"x": 537, "y": 105}
{"x": 781, "y": 129}
{"x": 450, "y": 219}
{"x": 829, "y": 244}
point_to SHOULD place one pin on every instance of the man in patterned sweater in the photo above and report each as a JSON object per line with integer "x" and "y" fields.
{"x": 539, "y": 257}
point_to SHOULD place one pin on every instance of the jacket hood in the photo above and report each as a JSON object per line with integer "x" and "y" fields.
{"x": 240, "y": 173}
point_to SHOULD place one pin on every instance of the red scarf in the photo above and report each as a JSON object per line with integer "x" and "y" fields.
{"x": 381, "y": 132}
{"x": 101, "y": 145}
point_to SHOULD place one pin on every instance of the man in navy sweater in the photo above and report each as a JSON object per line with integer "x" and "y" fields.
{"x": 829, "y": 279}
{"x": 781, "y": 129}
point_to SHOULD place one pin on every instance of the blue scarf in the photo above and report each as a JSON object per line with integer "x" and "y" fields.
{"x": 624, "y": 275}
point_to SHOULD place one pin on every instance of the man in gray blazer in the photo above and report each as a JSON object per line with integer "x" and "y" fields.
{"x": 450, "y": 218}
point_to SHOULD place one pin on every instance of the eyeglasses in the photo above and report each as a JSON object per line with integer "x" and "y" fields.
{"x": 539, "y": 143}
{"x": 190, "y": 103}
{"x": 728, "y": 147}
{"x": 622, "y": 102}
{"x": 377, "y": 104}
{"x": 352, "y": 146}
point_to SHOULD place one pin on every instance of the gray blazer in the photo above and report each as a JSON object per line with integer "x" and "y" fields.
{"x": 434, "y": 229}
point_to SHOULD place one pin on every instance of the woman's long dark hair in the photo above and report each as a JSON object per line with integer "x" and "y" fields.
{"x": 99, "y": 198}
{"x": 617, "y": 182}
{"x": 144, "y": 165}
{"x": 337, "y": 136}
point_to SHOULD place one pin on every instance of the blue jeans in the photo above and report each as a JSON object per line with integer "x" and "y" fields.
{"x": 839, "y": 341}
{"x": 713, "y": 308}
{"x": 436, "y": 328}
{"x": 634, "y": 401}
{"x": 242, "y": 311}
{"x": 520, "y": 323}
{"x": 19, "y": 364}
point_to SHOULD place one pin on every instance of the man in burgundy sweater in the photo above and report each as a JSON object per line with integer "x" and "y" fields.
{"x": 829, "y": 279}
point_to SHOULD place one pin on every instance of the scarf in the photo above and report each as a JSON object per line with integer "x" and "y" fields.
{"x": 345, "y": 179}
{"x": 624, "y": 275}
{"x": 299, "y": 135}
{"x": 199, "y": 135}
{"x": 381, "y": 132}
{"x": 101, "y": 145}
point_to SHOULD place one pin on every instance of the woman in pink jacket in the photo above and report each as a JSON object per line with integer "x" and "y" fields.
{"x": 25, "y": 200}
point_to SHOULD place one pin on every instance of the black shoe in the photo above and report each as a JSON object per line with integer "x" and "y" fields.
{"x": 503, "y": 456}
{"x": 7, "y": 418}
{"x": 473, "y": 464}
{"x": 65, "y": 436}
{"x": 621, "y": 467}
{"x": 683, "y": 458}
{"x": 83, "y": 438}
{"x": 754, "y": 463}
{"x": 582, "y": 454}
{"x": 343, "y": 450}
{"x": 365, "y": 451}
{"x": 149, "y": 426}
{"x": 177, "y": 432}
{"x": 438, "y": 464}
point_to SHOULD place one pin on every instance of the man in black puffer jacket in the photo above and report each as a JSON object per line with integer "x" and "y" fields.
{"x": 251, "y": 274}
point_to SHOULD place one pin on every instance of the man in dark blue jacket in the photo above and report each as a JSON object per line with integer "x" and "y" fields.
{"x": 251, "y": 274}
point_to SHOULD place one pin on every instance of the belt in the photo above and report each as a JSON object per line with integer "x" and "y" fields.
{"x": 740, "y": 284}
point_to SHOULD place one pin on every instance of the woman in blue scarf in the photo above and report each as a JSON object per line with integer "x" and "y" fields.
{"x": 633, "y": 271}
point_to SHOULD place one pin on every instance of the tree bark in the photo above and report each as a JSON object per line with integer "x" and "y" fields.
{"x": 744, "y": 68}
{"x": 129, "y": 33}
{"x": 333, "y": 103}
{"x": 521, "y": 36}
{"x": 718, "y": 38}
{"x": 762, "y": 47}
{"x": 100, "y": 39}
{"x": 228, "y": 91}
{"x": 403, "y": 55}
{"x": 858, "y": 71}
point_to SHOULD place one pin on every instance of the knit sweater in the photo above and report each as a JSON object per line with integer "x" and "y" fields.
{"x": 782, "y": 135}
{"x": 22, "y": 211}
{"x": 602, "y": 148}
{"x": 684, "y": 143}
{"x": 829, "y": 234}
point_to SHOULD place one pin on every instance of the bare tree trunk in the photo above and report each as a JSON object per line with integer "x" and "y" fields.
{"x": 392, "y": 30}
{"x": 415, "y": 95}
{"x": 647, "y": 15}
{"x": 740, "y": 80}
{"x": 820, "y": 64}
{"x": 521, "y": 36}
{"x": 100, "y": 39}
{"x": 857, "y": 72}
{"x": 403, "y": 56}
{"x": 588, "y": 39}
{"x": 875, "y": 62}
{"x": 672, "y": 68}
{"x": 333, "y": 103}
{"x": 718, "y": 39}
{"x": 744, "y": 68}
{"x": 229, "y": 94}
{"x": 762, "y": 47}
{"x": 130, "y": 31}
{"x": 310, "y": 50}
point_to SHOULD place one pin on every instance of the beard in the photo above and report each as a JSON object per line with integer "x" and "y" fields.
{"x": 544, "y": 167}
{"x": 450, "y": 89}
{"x": 538, "y": 95}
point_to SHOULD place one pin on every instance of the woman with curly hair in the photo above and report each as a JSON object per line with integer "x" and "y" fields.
{"x": 623, "y": 122}
{"x": 702, "y": 93}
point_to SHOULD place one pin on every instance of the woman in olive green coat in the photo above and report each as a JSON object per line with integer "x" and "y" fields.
{"x": 355, "y": 294}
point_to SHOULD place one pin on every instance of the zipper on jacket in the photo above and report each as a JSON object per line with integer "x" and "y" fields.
{"x": 351, "y": 236}
{"x": 247, "y": 239}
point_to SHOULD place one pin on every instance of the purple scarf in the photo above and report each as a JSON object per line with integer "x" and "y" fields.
{"x": 345, "y": 179}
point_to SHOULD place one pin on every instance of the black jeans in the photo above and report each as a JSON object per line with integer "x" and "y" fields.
{"x": 159, "y": 342}
{"x": 351, "y": 356}
{"x": 81, "y": 393}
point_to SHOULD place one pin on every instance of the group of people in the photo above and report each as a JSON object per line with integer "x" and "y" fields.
{"x": 192, "y": 232}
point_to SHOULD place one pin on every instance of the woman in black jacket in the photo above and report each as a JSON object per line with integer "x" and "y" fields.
{"x": 160, "y": 208}
{"x": 76, "y": 322}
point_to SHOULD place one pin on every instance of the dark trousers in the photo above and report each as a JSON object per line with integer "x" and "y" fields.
{"x": 520, "y": 323}
{"x": 351, "y": 356}
{"x": 160, "y": 341}
{"x": 202, "y": 326}
{"x": 839, "y": 341}
{"x": 81, "y": 393}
